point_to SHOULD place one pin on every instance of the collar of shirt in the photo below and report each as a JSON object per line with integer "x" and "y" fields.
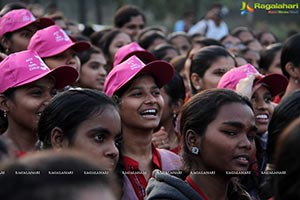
{"x": 136, "y": 176}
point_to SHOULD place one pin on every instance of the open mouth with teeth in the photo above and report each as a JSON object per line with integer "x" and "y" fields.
{"x": 243, "y": 160}
{"x": 149, "y": 112}
{"x": 262, "y": 118}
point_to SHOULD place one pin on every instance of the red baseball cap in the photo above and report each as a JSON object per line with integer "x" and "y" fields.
{"x": 276, "y": 83}
{"x": 127, "y": 70}
{"x": 131, "y": 49}
{"x": 53, "y": 40}
{"x": 25, "y": 67}
{"x": 19, "y": 18}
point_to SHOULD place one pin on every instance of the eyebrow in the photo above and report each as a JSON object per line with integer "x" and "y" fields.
{"x": 105, "y": 131}
{"x": 42, "y": 86}
{"x": 141, "y": 88}
{"x": 240, "y": 125}
{"x": 99, "y": 129}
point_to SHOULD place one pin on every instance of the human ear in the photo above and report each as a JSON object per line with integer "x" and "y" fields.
{"x": 192, "y": 140}
{"x": 3, "y": 103}
{"x": 5, "y": 43}
{"x": 196, "y": 81}
{"x": 176, "y": 106}
{"x": 58, "y": 139}
{"x": 292, "y": 70}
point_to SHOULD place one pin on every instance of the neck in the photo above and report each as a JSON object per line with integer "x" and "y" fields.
{"x": 20, "y": 139}
{"x": 172, "y": 135}
{"x": 213, "y": 186}
{"x": 137, "y": 143}
{"x": 292, "y": 86}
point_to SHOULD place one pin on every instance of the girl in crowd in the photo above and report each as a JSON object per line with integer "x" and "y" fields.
{"x": 136, "y": 88}
{"x": 181, "y": 41}
{"x": 110, "y": 43}
{"x": 218, "y": 130}
{"x": 173, "y": 94}
{"x": 92, "y": 70}
{"x": 286, "y": 186}
{"x": 16, "y": 29}
{"x": 270, "y": 59}
{"x": 290, "y": 63}
{"x": 208, "y": 66}
{"x": 285, "y": 112}
{"x": 165, "y": 52}
{"x": 261, "y": 90}
{"x": 151, "y": 36}
{"x": 130, "y": 19}
{"x": 92, "y": 126}
{"x": 26, "y": 86}
{"x": 56, "y": 48}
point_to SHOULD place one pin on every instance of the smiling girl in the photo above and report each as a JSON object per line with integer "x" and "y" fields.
{"x": 26, "y": 86}
{"x": 136, "y": 88}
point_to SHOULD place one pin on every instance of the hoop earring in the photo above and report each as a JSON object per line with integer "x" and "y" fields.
{"x": 195, "y": 150}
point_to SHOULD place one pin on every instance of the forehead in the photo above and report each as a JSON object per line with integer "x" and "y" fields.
{"x": 231, "y": 39}
{"x": 235, "y": 112}
{"x": 223, "y": 62}
{"x": 108, "y": 118}
{"x": 136, "y": 20}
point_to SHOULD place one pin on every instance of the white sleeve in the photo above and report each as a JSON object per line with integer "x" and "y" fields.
{"x": 198, "y": 28}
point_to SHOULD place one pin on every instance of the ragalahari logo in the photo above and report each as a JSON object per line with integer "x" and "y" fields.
{"x": 246, "y": 8}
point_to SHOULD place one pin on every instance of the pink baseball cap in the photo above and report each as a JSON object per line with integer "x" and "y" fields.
{"x": 127, "y": 70}
{"x": 19, "y": 18}
{"x": 25, "y": 67}
{"x": 53, "y": 40}
{"x": 131, "y": 49}
{"x": 276, "y": 83}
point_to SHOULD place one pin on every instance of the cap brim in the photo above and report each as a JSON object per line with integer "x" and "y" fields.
{"x": 44, "y": 22}
{"x": 64, "y": 75}
{"x": 80, "y": 46}
{"x": 277, "y": 83}
{"x": 162, "y": 71}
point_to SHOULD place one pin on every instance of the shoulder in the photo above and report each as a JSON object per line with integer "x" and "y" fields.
{"x": 165, "y": 186}
{"x": 169, "y": 160}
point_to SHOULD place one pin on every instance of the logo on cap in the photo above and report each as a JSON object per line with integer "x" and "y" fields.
{"x": 135, "y": 63}
{"x": 61, "y": 36}
{"x": 27, "y": 18}
{"x": 34, "y": 65}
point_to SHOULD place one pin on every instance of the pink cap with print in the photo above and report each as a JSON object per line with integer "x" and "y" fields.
{"x": 19, "y": 18}
{"x": 127, "y": 70}
{"x": 25, "y": 67}
{"x": 231, "y": 78}
{"x": 276, "y": 83}
{"x": 53, "y": 40}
